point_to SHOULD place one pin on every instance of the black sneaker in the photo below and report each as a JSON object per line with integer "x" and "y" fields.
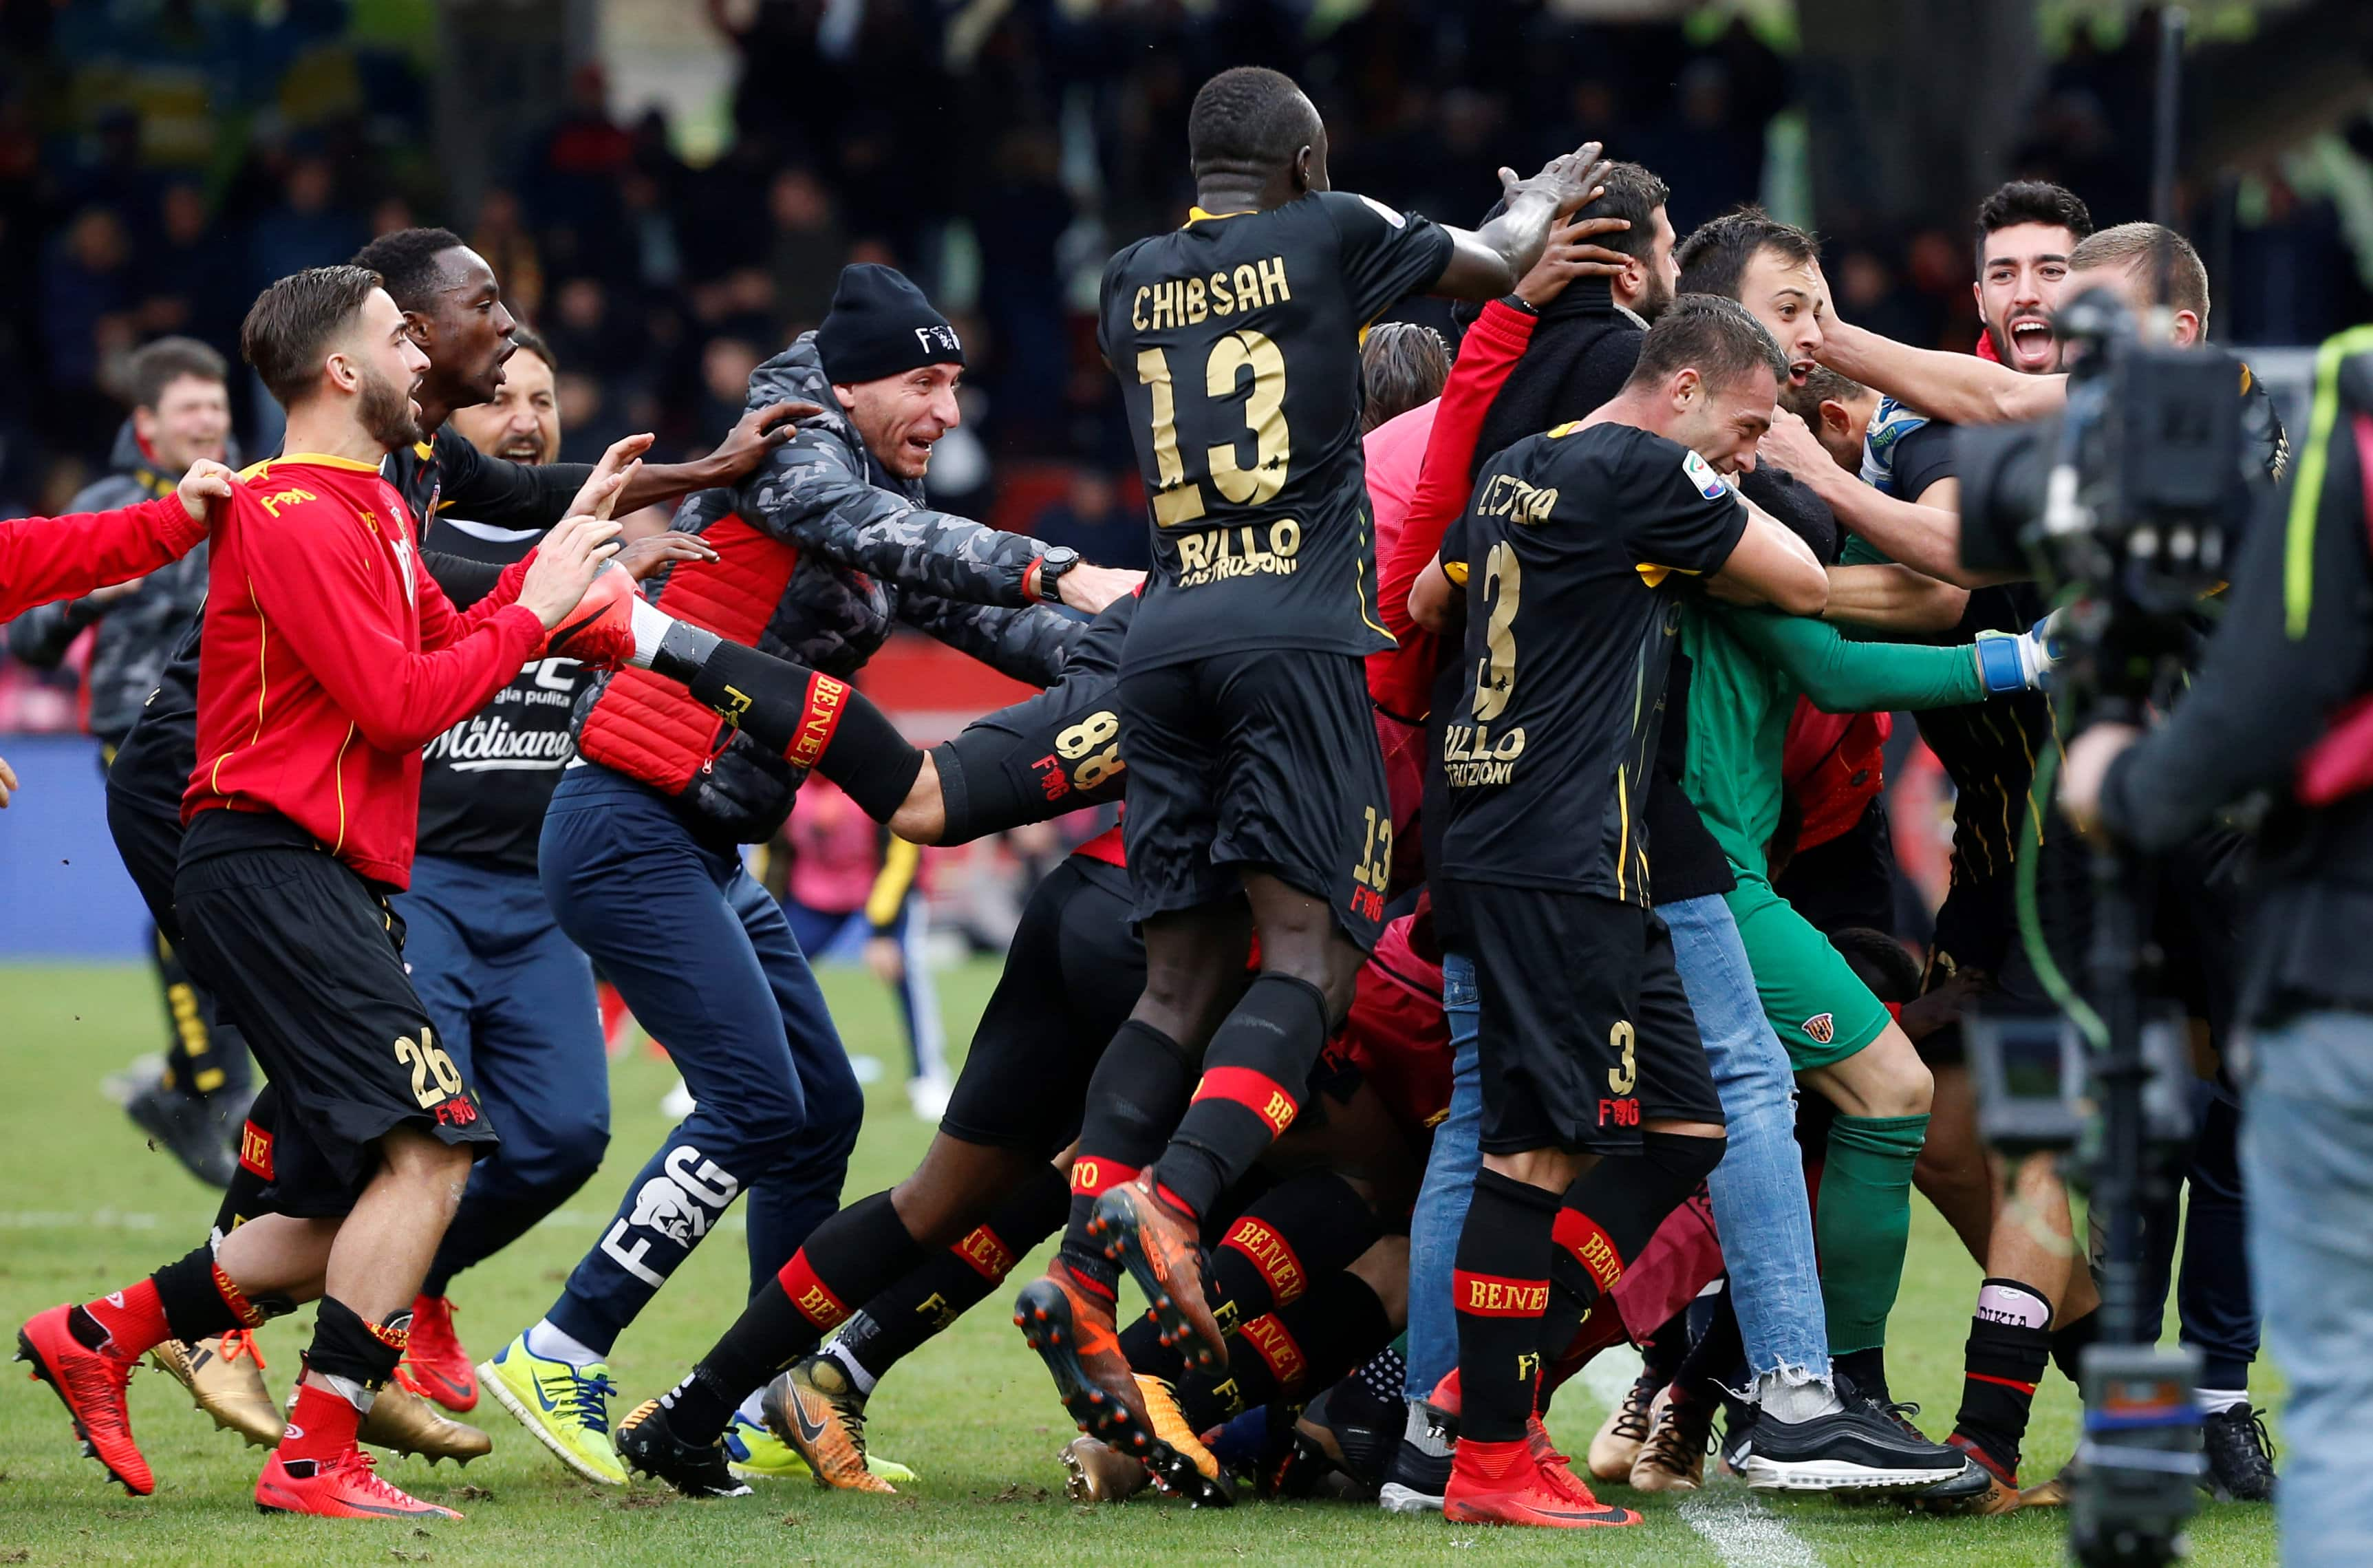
{"x": 1419, "y": 1472}
{"x": 1737, "y": 1435}
{"x": 1354, "y": 1427}
{"x": 1866, "y": 1446}
{"x": 191, "y": 1128}
{"x": 2240, "y": 1455}
{"x": 646, "y": 1444}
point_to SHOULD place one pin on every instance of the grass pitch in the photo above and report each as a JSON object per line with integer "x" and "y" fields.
{"x": 87, "y": 1208}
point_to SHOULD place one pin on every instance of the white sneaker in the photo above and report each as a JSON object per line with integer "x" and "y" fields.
{"x": 677, "y": 1102}
{"x": 929, "y": 1094}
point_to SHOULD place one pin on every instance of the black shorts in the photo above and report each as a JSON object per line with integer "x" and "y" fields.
{"x": 1847, "y": 881}
{"x": 1056, "y": 752}
{"x": 310, "y": 960}
{"x": 1071, "y": 974}
{"x": 1586, "y": 1032}
{"x": 150, "y": 842}
{"x": 1264, "y": 760}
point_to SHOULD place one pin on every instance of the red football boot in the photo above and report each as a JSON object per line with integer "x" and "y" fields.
{"x": 89, "y": 1383}
{"x": 435, "y": 1365}
{"x": 343, "y": 1488}
{"x": 1503, "y": 1483}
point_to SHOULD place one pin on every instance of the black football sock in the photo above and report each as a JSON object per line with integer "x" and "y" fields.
{"x": 1251, "y": 1090}
{"x": 848, "y": 1256}
{"x": 348, "y": 1347}
{"x": 1661, "y": 1357}
{"x": 1612, "y": 1209}
{"x": 813, "y": 720}
{"x": 1302, "y": 1230}
{"x": 1293, "y": 1353}
{"x": 201, "y": 1302}
{"x": 2007, "y": 1350}
{"x": 1135, "y": 1096}
{"x": 1867, "y": 1370}
{"x": 943, "y": 1287}
{"x": 2068, "y": 1342}
{"x": 1715, "y": 1359}
{"x": 1500, "y": 1288}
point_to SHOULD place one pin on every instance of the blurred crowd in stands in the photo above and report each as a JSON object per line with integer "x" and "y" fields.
{"x": 1000, "y": 170}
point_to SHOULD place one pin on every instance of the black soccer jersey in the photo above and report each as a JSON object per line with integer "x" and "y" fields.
{"x": 1568, "y": 549}
{"x": 1236, "y": 340}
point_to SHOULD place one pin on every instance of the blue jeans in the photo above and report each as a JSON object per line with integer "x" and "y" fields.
{"x": 1759, "y": 1189}
{"x": 2307, "y": 1162}
{"x": 704, "y": 956}
{"x": 1442, "y": 1202}
{"x": 512, "y": 999}
{"x": 828, "y": 936}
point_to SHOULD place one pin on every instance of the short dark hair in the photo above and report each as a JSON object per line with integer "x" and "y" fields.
{"x": 406, "y": 259}
{"x": 292, "y": 321}
{"x": 1633, "y": 193}
{"x": 1248, "y": 118}
{"x": 1714, "y": 257}
{"x": 2031, "y": 201}
{"x": 156, "y": 366}
{"x": 1709, "y": 333}
{"x": 2132, "y": 245}
{"x": 531, "y": 342}
{"x": 1880, "y": 962}
{"x": 1821, "y": 385}
{"x": 1402, "y": 365}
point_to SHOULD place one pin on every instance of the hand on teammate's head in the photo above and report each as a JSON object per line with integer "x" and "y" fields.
{"x": 1790, "y": 444}
{"x": 1570, "y": 255}
{"x": 205, "y": 483}
{"x": 1569, "y": 180}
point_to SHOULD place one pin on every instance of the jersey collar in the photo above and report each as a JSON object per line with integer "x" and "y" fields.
{"x": 323, "y": 459}
{"x": 1197, "y": 215}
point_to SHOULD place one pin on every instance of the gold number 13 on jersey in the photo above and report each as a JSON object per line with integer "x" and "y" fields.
{"x": 1177, "y": 497}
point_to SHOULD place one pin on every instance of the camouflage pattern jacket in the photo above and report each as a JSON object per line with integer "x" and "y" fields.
{"x": 821, "y": 552}
{"x": 136, "y": 633}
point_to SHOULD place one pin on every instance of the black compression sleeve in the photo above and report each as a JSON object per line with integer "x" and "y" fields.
{"x": 811, "y": 718}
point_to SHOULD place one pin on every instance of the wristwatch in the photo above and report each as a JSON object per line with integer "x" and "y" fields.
{"x": 1047, "y": 571}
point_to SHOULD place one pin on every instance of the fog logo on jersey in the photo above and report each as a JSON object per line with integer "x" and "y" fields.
{"x": 1702, "y": 475}
{"x": 1822, "y": 1028}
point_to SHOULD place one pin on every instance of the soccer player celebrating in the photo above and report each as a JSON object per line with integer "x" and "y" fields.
{"x": 1255, "y": 775}
{"x": 335, "y": 661}
{"x": 1600, "y": 1114}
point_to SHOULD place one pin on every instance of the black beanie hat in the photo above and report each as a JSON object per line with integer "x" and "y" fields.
{"x": 881, "y": 325}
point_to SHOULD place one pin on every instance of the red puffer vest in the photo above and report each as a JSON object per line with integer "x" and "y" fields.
{"x": 654, "y": 729}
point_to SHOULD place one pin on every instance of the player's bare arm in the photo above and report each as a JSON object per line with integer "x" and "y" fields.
{"x": 1770, "y": 566}
{"x": 1956, "y": 387}
{"x": 1487, "y": 263}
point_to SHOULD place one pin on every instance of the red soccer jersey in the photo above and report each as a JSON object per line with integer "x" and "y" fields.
{"x": 331, "y": 657}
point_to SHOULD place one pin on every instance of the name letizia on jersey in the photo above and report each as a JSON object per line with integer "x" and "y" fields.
{"x": 1188, "y": 300}
{"x": 1250, "y": 550}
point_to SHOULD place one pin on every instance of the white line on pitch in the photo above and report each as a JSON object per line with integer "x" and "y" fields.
{"x": 1743, "y": 1535}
